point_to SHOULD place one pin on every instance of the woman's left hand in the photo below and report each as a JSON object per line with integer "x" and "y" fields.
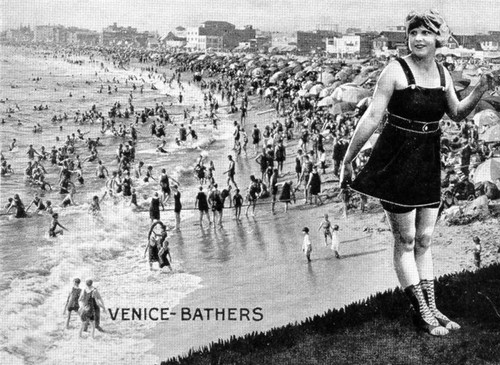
{"x": 488, "y": 80}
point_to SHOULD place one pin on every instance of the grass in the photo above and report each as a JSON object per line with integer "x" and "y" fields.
{"x": 378, "y": 330}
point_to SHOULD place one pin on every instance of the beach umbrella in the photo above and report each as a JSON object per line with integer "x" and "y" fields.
{"x": 486, "y": 118}
{"x": 287, "y": 69}
{"x": 483, "y": 105}
{"x": 492, "y": 134}
{"x": 494, "y": 101}
{"x": 258, "y": 72}
{"x": 299, "y": 74}
{"x": 461, "y": 83}
{"x": 489, "y": 170}
{"x": 462, "y": 93}
{"x": 297, "y": 69}
{"x": 302, "y": 92}
{"x": 252, "y": 63}
{"x": 364, "y": 103}
{"x": 282, "y": 64}
{"x": 326, "y": 78}
{"x": 375, "y": 74}
{"x": 371, "y": 142}
{"x": 316, "y": 89}
{"x": 326, "y": 101}
{"x": 269, "y": 91}
{"x": 327, "y": 91}
{"x": 276, "y": 77}
{"x": 342, "y": 75}
{"x": 351, "y": 94}
{"x": 306, "y": 85}
{"x": 341, "y": 107}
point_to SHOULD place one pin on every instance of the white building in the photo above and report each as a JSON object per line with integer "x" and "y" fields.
{"x": 345, "y": 45}
{"x": 206, "y": 42}
{"x": 490, "y": 45}
{"x": 198, "y": 42}
{"x": 192, "y": 34}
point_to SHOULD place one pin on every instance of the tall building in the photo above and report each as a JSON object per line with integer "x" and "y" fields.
{"x": 313, "y": 41}
{"x": 218, "y": 34}
{"x": 345, "y": 45}
{"x": 45, "y": 33}
{"x": 115, "y": 35}
{"x": 23, "y": 34}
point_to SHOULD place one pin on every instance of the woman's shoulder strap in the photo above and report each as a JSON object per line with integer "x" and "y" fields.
{"x": 409, "y": 75}
{"x": 441, "y": 74}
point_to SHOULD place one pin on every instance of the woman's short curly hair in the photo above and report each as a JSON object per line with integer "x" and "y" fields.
{"x": 432, "y": 20}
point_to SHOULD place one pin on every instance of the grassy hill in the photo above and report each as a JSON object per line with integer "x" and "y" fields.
{"x": 378, "y": 330}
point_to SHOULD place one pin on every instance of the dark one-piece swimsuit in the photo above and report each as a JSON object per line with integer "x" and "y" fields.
{"x": 403, "y": 170}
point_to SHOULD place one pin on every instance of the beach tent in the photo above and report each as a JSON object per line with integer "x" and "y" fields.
{"x": 486, "y": 118}
{"x": 489, "y": 170}
{"x": 491, "y": 135}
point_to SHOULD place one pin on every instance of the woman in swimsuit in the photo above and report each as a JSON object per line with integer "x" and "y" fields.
{"x": 404, "y": 168}
{"x": 18, "y": 204}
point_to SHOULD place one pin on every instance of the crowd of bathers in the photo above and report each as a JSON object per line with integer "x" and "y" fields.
{"x": 293, "y": 115}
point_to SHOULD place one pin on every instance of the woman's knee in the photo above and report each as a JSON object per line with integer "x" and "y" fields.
{"x": 405, "y": 241}
{"x": 423, "y": 240}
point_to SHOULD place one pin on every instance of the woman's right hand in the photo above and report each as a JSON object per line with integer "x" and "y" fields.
{"x": 346, "y": 174}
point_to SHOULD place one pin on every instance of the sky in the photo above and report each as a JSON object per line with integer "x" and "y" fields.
{"x": 463, "y": 16}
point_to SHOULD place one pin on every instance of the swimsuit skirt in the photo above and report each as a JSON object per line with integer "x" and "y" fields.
{"x": 315, "y": 185}
{"x": 154, "y": 209}
{"x": 404, "y": 167}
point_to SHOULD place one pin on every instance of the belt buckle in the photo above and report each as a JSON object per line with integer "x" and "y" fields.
{"x": 425, "y": 127}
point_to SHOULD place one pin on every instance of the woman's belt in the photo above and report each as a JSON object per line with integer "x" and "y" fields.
{"x": 413, "y": 125}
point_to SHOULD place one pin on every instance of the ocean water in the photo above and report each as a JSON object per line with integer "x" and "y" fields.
{"x": 37, "y": 271}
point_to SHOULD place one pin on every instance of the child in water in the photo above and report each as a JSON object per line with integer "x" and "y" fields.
{"x": 54, "y": 224}
{"x": 72, "y": 301}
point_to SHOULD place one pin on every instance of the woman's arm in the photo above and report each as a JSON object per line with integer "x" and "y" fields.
{"x": 30, "y": 205}
{"x": 457, "y": 110}
{"x": 10, "y": 207}
{"x": 60, "y": 225}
